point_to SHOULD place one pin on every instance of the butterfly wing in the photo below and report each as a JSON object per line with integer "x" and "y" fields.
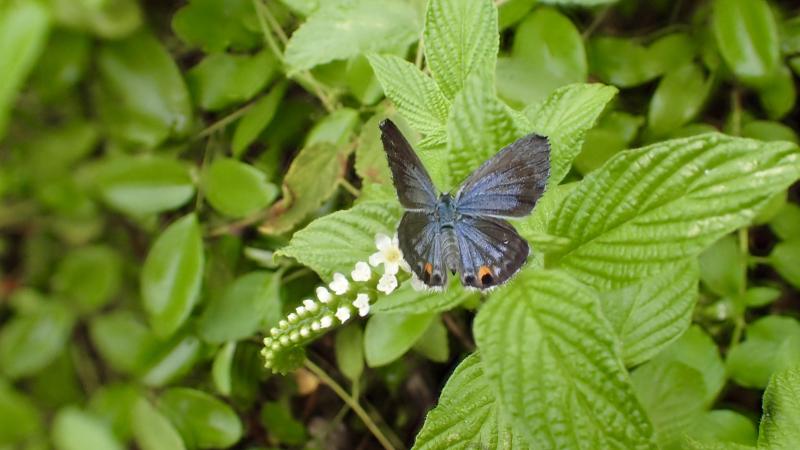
{"x": 491, "y": 251}
{"x": 510, "y": 183}
{"x": 422, "y": 245}
{"x": 412, "y": 182}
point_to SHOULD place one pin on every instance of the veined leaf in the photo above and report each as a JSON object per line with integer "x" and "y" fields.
{"x": 780, "y": 426}
{"x": 697, "y": 350}
{"x": 468, "y": 414}
{"x": 336, "y": 242}
{"x": 652, "y": 206}
{"x": 416, "y": 95}
{"x": 407, "y": 300}
{"x": 460, "y": 37}
{"x": 651, "y": 314}
{"x": 772, "y": 345}
{"x": 551, "y": 358}
{"x": 388, "y": 336}
{"x": 565, "y": 117}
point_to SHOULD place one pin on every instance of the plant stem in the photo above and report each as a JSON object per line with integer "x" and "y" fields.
{"x": 223, "y": 122}
{"x": 350, "y": 401}
{"x": 349, "y": 187}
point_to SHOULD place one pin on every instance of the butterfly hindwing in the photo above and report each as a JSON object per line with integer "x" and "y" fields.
{"x": 422, "y": 245}
{"x": 491, "y": 251}
{"x": 510, "y": 183}
{"x": 414, "y": 187}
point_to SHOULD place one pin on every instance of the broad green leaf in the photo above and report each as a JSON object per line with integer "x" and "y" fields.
{"x": 479, "y": 126}
{"x": 18, "y": 414}
{"x": 202, "y": 420}
{"x": 114, "y": 402}
{"x": 416, "y": 95}
{"x": 747, "y": 37}
{"x": 215, "y": 26}
{"x": 579, "y": 2}
{"x": 787, "y": 223}
{"x": 371, "y": 164}
{"x": 23, "y": 30}
{"x": 336, "y": 242}
{"x": 281, "y": 425}
{"x": 649, "y": 207}
{"x": 349, "y": 345}
{"x": 139, "y": 186}
{"x": 174, "y": 359}
{"x": 771, "y": 344}
{"x": 766, "y": 130}
{"x": 780, "y": 425}
{"x": 722, "y": 267}
{"x": 237, "y": 189}
{"x": 241, "y": 309}
{"x": 757, "y": 297}
{"x": 152, "y": 430}
{"x": 621, "y": 61}
{"x": 88, "y": 276}
{"x": 256, "y": 119}
{"x": 565, "y": 117}
{"x": 671, "y": 51}
{"x": 512, "y": 11}
{"x": 723, "y": 425}
{"x": 672, "y": 394}
{"x": 778, "y": 94}
{"x": 142, "y": 99}
{"x": 697, "y": 350}
{"x": 107, "y": 20}
{"x": 551, "y": 358}
{"x": 467, "y": 415}
{"x": 614, "y": 132}
{"x": 74, "y": 429}
{"x": 785, "y": 257}
{"x": 406, "y": 300}
{"x": 649, "y": 315}
{"x": 222, "y": 367}
{"x": 547, "y": 53}
{"x": 31, "y": 341}
{"x": 361, "y": 81}
{"x": 171, "y": 275}
{"x": 342, "y": 30}
{"x": 388, "y": 336}
{"x": 124, "y": 342}
{"x": 460, "y": 39}
{"x": 433, "y": 343}
{"x": 336, "y": 128}
{"x": 678, "y": 98}
{"x": 223, "y": 79}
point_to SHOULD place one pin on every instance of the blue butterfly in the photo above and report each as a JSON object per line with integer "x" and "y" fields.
{"x": 467, "y": 232}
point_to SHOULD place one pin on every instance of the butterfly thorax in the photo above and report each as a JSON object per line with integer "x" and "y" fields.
{"x": 445, "y": 213}
{"x": 446, "y": 216}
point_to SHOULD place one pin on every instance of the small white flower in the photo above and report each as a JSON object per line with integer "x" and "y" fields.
{"x": 323, "y": 295}
{"x": 387, "y": 283}
{"x": 283, "y": 324}
{"x": 339, "y": 285}
{"x": 361, "y": 272}
{"x": 416, "y": 283}
{"x": 362, "y": 303}
{"x": 267, "y": 342}
{"x": 315, "y": 326}
{"x": 343, "y": 313}
{"x": 304, "y": 332}
{"x": 292, "y": 317}
{"x": 276, "y": 346}
{"x": 310, "y": 305}
{"x": 268, "y": 355}
{"x": 284, "y": 340}
{"x": 326, "y": 322}
{"x": 274, "y": 331}
{"x": 295, "y": 336}
{"x": 300, "y": 310}
{"x": 388, "y": 254}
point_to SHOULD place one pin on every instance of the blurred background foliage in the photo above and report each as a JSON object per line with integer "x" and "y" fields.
{"x": 155, "y": 154}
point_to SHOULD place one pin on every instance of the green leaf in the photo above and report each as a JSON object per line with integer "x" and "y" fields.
{"x": 241, "y": 309}
{"x": 547, "y": 53}
{"x": 349, "y": 345}
{"x": 256, "y": 119}
{"x": 215, "y": 26}
{"x": 722, "y": 267}
{"x": 747, "y": 37}
{"x": 152, "y": 430}
{"x": 281, "y": 425}
{"x": 405, "y": 300}
{"x": 336, "y": 242}
{"x": 579, "y": 2}
{"x": 124, "y": 342}
{"x": 780, "y": 425}
{"x": 342, "y": 30}
{"x": 139, "y": 186}
{"x": 785, "y": 224}
{"x": 468, "y": 414}
{"x": 107, "y": 20}
{"x": 237, "y": 189}
{"x": 621, "y": 61}
{"x": 114, "y": 402}
{"x": 722, "y": 425}
{"x": 649, "y": 315}
{"x": 23, "y": 30}
{"x": 29, "y": 342}
{"x": 142, "y": 99}
{"x": 766, "y": 130}
{"x": 18, "y": 414}
{"x": 416, "y": 95}
{"x": 388, "y": 336}
{"x": 173, "y": 360}
{"x": 433, "y": 343}
{"x": 74, "y": 429}
{"x": 222, "y": 367}
{"x": 460, "y": 39}
{"x": 772, "y": 344}
{"x": 479, "y": 126}
{"x": 649, "y": 207}
{"x": 785, "y": 257}
{"x": 678, "y": 98}
{"x": 778, "y": 94}
{"x": 223, "y": 79}
{"x": 551, "y": 358}
{"x": 614, "y": 132}
{"x": 88, "y": 276}
{"x": 202, "y": 420}
{"x": 371, "y": 164}
{"x": 672, "y": 394}
{"x": 171, "y": 275}
{"x": 565, "y": 117}
{"x": 758, "y": 297}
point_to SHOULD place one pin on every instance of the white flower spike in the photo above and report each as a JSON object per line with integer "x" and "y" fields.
{"x": 343, "y": 314}
{"x": 326, "y": 321}
{"x": 387, "y": 284}
{"x": 339, "y": 285}
{"x": 388, "y": 254}
{"x": 323, "y": 295}
{"x": 310, "y": 305}
{"x": 362, "y": 303}
{"x": 361, "y": 272}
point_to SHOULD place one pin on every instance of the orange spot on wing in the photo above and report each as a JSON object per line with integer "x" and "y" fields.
{"x": 484, "y": 270}
{"x": 428, "y": 268}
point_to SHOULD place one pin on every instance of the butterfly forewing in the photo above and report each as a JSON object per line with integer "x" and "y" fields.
{"x": 414, "y": 187}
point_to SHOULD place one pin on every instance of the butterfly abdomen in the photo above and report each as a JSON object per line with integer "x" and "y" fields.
{"x": 450, "y": 250}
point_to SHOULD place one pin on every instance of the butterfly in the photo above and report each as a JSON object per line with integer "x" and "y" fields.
{"x": 467, "y": 233}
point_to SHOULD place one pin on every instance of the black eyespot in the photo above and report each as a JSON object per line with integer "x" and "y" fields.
{"x": 469, "y": 279}
{"x": 487, "y": 279}
{"x": 426, "y": 277}
{"x": 436, "y": 279}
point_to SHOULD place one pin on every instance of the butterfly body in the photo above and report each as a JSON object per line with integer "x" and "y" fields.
{"x": 467, "y": 233}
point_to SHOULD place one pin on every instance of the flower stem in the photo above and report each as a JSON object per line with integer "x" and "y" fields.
{"x": 350, "y": 401}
